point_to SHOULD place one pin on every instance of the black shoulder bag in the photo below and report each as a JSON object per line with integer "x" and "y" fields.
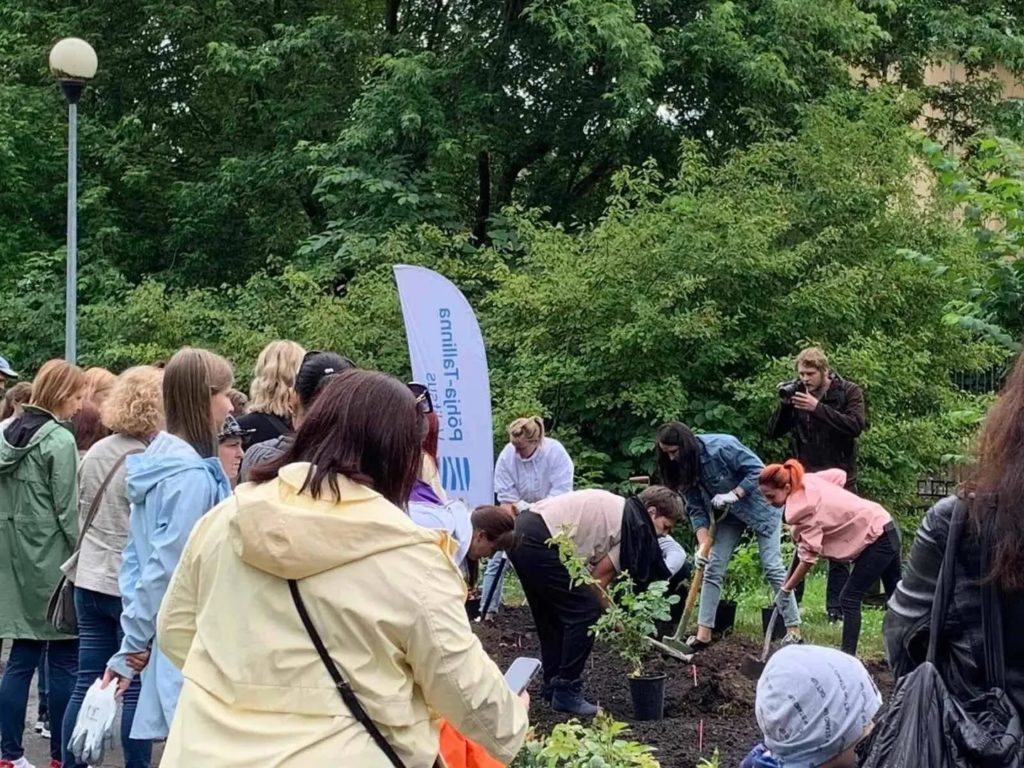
{"x": 347, "y": 695}
{"x": 926, "y": 724}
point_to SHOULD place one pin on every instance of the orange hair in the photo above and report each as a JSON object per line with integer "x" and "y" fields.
{"x": 780, "y": 475}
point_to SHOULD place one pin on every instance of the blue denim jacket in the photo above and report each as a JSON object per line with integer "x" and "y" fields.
{"x": 726, "y": 463}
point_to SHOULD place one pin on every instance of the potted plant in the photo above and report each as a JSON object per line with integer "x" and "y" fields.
{"x": 627, "y": 623}
{"x": 725, "y": 613}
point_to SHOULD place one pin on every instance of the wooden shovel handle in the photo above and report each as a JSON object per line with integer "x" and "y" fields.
{"x": 695, "y": 585}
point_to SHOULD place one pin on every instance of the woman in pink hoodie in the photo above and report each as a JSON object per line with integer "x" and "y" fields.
{"x": 828, "y": 521}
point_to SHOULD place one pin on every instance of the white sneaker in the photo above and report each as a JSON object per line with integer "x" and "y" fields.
{"x": 21, "y": 762}
{"x": 43, "y": 728}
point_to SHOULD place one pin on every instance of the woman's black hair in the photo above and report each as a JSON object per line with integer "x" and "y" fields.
{"x": 317, "y": 368}
{"x": 683, "y": 472}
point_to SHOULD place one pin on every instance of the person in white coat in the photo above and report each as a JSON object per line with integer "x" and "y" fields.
{"x": 532, "y": 467}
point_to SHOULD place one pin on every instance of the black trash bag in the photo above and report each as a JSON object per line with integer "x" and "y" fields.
{"x": 926, "y": 726}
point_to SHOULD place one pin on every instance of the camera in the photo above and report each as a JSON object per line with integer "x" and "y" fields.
{"x": 789, "y": 388}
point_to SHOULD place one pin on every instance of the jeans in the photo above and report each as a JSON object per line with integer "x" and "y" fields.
{"x": 490, "y": 574}
{"x": 62, "y": 658}
{"x": 727, "y": 537}
{"x": 42, "y": 686}
{"x": 563, "y": 614}
{"x": 881, "y": 559}
{"x": 99, "y": 638}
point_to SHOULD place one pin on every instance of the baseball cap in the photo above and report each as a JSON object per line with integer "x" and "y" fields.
{"x": 6, "y": 370}
{"x": 231, "y": 429}
{"x": 813, "y": 704}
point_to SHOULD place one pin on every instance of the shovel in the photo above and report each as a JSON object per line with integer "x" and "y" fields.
{"x": 753, "y": 666}
{"x": 674, "y": 645}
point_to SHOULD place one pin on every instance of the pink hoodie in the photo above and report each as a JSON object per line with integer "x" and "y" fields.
{"x": 829, "y": 521}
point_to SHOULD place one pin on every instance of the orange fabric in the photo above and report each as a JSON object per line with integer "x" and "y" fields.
{"x": 459, "y": 752}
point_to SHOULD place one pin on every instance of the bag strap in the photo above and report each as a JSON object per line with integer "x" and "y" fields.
{"x": 347, "y": 694}
{"x": 991, "y": 616}
{"x": 95, "y": 506}
{"x": 946, "y": 579}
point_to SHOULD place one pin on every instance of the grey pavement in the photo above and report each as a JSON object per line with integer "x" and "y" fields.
{"x": 37, "y": 749}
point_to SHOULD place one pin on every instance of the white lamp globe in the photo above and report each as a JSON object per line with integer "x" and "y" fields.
{"x": 73, "y": 59}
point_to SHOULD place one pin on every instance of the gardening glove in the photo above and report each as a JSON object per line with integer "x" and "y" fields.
{"x": 782, "y": 599}
{"x": 723, "y": 500}
{"x": 95, "y": 724}
{"x": 702, "y": 560}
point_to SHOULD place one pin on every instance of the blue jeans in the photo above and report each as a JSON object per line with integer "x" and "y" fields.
{"x": 42, "y": 686}
{"x": 727, "y": 537}
{"x": 99, "y": 638}
{"x": 62, "y": 656}
{"x": 493, "y": 566}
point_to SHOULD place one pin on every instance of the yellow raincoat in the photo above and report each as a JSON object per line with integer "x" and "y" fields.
{"x": 385, "y": 596}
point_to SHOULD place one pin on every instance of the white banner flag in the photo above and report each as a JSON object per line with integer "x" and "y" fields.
{"x": 447, "y": 354}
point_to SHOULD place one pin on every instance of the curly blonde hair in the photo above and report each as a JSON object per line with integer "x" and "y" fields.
{"x": 135, "y": 405}
{"x": 274, "y": 378}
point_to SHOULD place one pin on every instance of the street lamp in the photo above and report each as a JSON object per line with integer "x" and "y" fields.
{"x": 72, "y": 62}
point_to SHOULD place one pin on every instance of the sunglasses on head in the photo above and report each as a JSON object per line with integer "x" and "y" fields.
{"x": 424, "y": 403}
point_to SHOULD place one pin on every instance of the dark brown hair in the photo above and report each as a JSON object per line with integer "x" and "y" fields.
{"x": 87, "y": 426}
{"x": 666, "y": 503}
{"x": 365, "y": 426}
{"x": 996, "y": 482}
{"x": 497, "y": 524}
{"x": 683, "y": 472}
{"x": 780, "y": 475}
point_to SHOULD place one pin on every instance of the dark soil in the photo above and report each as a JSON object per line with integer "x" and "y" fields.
{"x": 721, "y": 703}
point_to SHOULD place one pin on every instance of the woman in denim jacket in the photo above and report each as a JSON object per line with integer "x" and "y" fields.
{"x": 717, "y": 474}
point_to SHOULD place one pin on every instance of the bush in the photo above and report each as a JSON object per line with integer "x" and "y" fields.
{"x": 598, "y": 745}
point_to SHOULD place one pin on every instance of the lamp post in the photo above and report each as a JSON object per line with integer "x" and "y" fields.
{"x": 72, "y": 62}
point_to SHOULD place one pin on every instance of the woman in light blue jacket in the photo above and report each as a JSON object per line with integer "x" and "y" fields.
{"x": 715, "y": 474}
{"x": 171, "y": 485}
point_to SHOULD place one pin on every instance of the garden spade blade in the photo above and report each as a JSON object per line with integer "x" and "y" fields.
{"x": 753, "y": 666}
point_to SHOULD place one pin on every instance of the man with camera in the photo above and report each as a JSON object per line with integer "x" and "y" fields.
{"x": 824, "y": 415}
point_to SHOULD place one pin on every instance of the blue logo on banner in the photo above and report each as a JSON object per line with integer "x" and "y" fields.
{"x": 455, "y": 473}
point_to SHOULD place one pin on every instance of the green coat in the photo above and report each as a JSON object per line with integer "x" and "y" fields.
{"x": 38, "y": 527}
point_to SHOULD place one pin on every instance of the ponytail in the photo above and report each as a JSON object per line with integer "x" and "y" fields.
{"x": 790, "y": 473}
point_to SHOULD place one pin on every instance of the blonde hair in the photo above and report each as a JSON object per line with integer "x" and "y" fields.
{"x": 135, "y": 404}
{"x": 55, "y": 384}
{"x": 274, "y": 378}
{"x": 526, "y": 431}
{"x": 98, "y": 383}
{"x": 191, "y": 378}
{"x": 813, "y": 357}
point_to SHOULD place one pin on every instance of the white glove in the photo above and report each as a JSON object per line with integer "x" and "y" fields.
{"x": 722, "y": 500}
{"x": 95, "y": 723}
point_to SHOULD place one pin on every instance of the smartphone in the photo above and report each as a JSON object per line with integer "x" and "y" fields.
{"x": 521, "y": 673}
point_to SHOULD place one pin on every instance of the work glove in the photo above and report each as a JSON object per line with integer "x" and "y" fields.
{"x": 722, "y": 500}
{"x": 782, "y": 599}
{"x": 95, "y": 724}
{"x": 702, "y": 560}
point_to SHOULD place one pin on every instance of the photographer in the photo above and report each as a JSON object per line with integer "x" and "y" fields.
{"x": 824, "y": 414}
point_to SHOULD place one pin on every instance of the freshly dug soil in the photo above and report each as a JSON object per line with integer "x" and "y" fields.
{"x": 722, "y": 699}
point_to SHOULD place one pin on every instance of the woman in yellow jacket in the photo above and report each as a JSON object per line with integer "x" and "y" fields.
{"x": 383, "y": 593}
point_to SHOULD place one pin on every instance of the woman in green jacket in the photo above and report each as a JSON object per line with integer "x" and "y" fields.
{"x": 38, "y": 531}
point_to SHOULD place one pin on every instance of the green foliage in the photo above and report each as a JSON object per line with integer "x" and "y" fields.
{"x": 712, "y": 762}
{"x": 628, "y": 620}
{"x": 987, "y": 188}
{"x": 601, "y": 744}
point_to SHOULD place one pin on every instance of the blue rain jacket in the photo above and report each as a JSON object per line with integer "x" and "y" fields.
{"x": 170, "y": 486}
{"x": 726, "y": 463}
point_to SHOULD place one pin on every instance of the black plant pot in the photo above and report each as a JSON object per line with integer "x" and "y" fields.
{"x": 473, "y": 607}
{"x": 779, "y": 630}
{"x": 725, "y": 617}
{"x": 648, "y": 692}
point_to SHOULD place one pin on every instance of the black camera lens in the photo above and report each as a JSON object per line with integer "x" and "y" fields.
{"x": 789, "y": 388}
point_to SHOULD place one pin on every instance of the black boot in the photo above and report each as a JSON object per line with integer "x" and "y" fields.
{"x": 568, "y": 697}
{"x": 547, "y": 691}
